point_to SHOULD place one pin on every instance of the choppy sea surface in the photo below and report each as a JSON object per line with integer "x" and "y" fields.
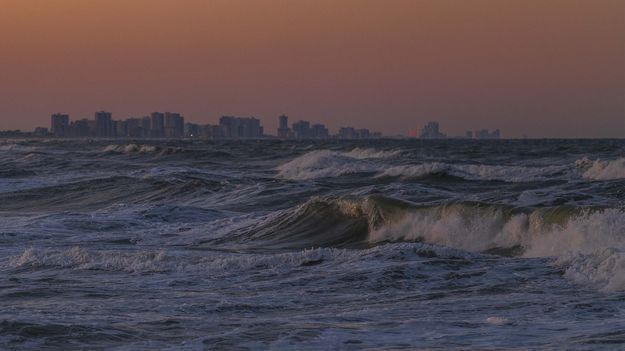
{"x": 389, "y": 244}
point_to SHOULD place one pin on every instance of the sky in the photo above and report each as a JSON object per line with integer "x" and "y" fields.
{"x": 540, "y": 68}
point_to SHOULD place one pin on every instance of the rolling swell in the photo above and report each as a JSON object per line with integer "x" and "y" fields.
{"x": 587, "y": 242}
{"x": 103, "y": 192}
{"x": 347, "y": 222}
{"x": 326, "y": 164}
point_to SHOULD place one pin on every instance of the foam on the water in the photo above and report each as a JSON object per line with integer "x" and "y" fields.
{"x": 130, "y": 148}
{"x": 325, "y": 163}
{"x": 602, "y": 169}
{"x": 295, "y": 244}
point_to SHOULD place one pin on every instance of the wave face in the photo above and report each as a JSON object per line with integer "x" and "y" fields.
{"x": 267, "y": 244}
{"x": 561, "y": 232}
{"x": 602, "y": 169}
{"x": 326, "y": 163}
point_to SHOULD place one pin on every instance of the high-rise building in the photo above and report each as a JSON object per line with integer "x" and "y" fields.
{"x": 284, "y": 131}
{"x": 157, "y": 125}
{"x": 134, "y": 128}
{"x": 81, "y": 128}
{"x": 363, "y": 133}
{"x": 60, "y": 125}
{"x": 301, "y": 130}
{"x": 192, "y": 130}
{"x": 104, "y": 125}
{"x": 146, "y": 126}
{"x": 319, "y": 131}
{"x": 347, "y": 133}
{"x": 40, "y": 132}
{"x": 120, "y": 129}
{"x": 174, "y": 125}
{"x": 485, "y": 134}
{"x": 229, "y": 127}
{"x": 240, "y": 127}
{"x": 431, "y": 131}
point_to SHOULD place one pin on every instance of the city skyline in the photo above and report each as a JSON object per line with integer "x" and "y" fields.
{"x": 172, "y": 125}
{"x": 543, "y": 69}
{"x": 407, "y": 132}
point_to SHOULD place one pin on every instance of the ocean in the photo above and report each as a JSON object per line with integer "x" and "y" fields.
{"x": 312, "y": 245}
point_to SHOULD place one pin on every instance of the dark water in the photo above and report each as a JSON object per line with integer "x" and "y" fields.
{"x": 312, "y": 245}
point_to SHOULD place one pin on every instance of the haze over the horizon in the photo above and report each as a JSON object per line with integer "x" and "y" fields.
{"x": 540, "y": 68}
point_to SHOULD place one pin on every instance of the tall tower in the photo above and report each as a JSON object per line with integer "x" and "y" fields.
{"x": 283, "y": 130}
{"x": 157, "y": 125}
{"x": 59, "y": 124}
{"x": 103, "y": 124}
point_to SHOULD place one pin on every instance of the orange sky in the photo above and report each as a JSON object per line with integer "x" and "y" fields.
{"x": 538, "y": 67}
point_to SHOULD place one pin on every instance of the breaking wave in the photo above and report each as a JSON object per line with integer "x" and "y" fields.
{"x": 577, "y": 237}
{"x": 325, "y": 163}
{"x": 602, "y": 169}
{"x": 103, "y": 192}
{"x": 214, "y": 263}
{"x": 140, "y": 149}
{"x": 130, "y": 148}
{"x": 13, "y": 147}
{"x": 361, "y": 153}
{"x": 512, "y": 174}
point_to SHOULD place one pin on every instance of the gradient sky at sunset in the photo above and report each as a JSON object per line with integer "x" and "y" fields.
{"x": 537, "y": 67}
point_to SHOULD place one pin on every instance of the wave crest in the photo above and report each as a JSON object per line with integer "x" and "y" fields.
{"x": 326, "y": 163}
{"x": 588, "y": 243}
{"x": 602, "y": 169}
{"x": 130, "y": 149}
{"x": 512, "y": 174}
{"x": 323, "y": 164}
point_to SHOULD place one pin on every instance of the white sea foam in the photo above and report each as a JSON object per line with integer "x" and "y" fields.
{"x": 456, "y": 226}
{"x": 130, "y": 148}
{"x": 323, "y": 164}
{"x": 362, "y": 153}
{"x": 145, "y": 261}
{"x": 602, "y": 169}
{"x": 513, "y": 174}
{"x": 497, "y": 320}
{"x": 603, "y": 269}
{"x": 326, "y": 163}
{"x": 16, "y": 147}
{"x": 590, "y": 247}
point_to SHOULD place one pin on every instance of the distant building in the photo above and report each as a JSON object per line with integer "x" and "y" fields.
{"x": 283, "y": 129}
{"x": 157, "y": 125}
{"x": 120, "y": 129}
{"x": 192, "y": 130}
{"x": 104, "y": 124}
{"x": 469, "y": 134}
{"x": 210, "y": 131}
{"x": 40, "y": 132}
{"x": 485, "y": 134}
{"x": 302, "y": 130}
{"x": 347, "y": 133}
{"x": 134, "y": 128}
{"x": 319, "y": 131}
{"x": 174, "y": 125}
{"x": 146, "y": 126}
{"x": 363, "y": 133}
{"x": 431, "y": 131}
{"x": 82, "y": 128}
{"x": 59, "y": 125}
{"x": 231, "y": 127}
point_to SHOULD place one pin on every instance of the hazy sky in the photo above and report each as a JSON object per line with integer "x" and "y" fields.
{"x": 537, "y": 67}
